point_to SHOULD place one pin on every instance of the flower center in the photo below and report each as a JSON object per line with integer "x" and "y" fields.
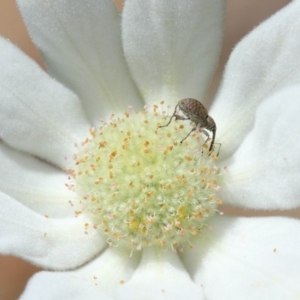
{"x": 141, "y": 186}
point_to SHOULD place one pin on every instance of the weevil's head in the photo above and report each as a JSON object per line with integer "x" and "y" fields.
{"x": 210, "y": 124}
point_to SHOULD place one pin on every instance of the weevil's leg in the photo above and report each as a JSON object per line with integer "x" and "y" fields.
{"x": 206, "y": 134}
{"x": 220, "y": 145}
{"x": 174, "y": 115}
{"x": 188, "y": 134}
{"x": 181, "y": 118}
{"x": 211, "y": 148}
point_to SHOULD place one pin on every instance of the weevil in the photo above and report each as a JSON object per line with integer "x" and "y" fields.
{"x": 195, "y": 111}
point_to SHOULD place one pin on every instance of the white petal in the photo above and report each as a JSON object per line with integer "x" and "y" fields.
{"x": 264, "y": 173}
{"x": 159, "y": 276}
{"x": 81, "y": 45}
{"x": 50, "y": 243}
{"x": 54, "y": 286}
{"x": 110, "y": 269}
{"x": 172, "y": 47}
{"x": 36, "y": 184}
{"x": 248, "y": 258}
{"x": 264, "y": 62}
{"x": 37, "y": 114}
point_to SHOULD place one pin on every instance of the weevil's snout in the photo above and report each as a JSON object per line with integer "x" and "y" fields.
{"x": 210, "y": 124}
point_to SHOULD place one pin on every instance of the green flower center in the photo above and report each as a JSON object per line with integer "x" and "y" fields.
{"x": 141, "y": 186}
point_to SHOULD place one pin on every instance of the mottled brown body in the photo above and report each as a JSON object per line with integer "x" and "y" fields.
{"x": 195, "y": 111}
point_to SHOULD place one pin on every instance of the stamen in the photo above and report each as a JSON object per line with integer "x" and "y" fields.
{"x": 140, "y": 186}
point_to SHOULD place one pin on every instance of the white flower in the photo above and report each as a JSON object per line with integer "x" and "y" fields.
{"x": 172, "y": 50}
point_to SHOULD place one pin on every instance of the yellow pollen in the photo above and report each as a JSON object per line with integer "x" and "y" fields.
{"x": 140, "y": 186}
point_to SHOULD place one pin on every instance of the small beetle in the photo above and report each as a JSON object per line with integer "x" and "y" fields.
{"x": 197, "y": 113}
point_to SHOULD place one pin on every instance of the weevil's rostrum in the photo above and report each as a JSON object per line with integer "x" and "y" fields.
{"x": 195, "y": 111}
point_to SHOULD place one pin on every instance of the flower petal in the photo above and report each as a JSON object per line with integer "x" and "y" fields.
{"x": 53, "y": 286}
{"x": 36, "y": 184}
{"x": 81, "y": 45}
{"x": 172, "y": 47}
{"x": 248, "y": 258}
{"x": 264, "y": 62}
{"x": 110, "y": 269}
{"x": 50, "y": 243}
{"x": 264, "y": 171}
{"x": 159, "y": 276}
{"x": 37, "y": 114}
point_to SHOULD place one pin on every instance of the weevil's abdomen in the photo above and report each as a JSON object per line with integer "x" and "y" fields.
{"x": 193, "y": 109}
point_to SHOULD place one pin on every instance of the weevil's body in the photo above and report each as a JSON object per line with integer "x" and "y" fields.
{"x": 197, "y": 113}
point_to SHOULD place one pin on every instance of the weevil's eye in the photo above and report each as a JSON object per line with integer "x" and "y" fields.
{"x": 140, "y": 186}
